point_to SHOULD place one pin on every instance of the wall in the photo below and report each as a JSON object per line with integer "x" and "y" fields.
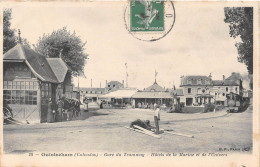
{"x": 194, "y": 90}
{"x": 12, "y": 70}
{"x": 221, "y": 92}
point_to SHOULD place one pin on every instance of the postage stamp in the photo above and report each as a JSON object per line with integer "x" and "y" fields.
{"x": 148, "y": 20}
{"x": 147, "y": 15}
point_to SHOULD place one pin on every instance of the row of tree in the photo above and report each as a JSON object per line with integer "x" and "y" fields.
{"x": 59, "y": 43}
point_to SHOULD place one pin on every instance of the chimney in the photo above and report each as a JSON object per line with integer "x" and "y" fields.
{"x": 224, "y": 77}
{"x": 210, "y": 76}
{"x": 123, "y": 82}
{"x": 19, "y": 36}
{"x": 100, "y": 85}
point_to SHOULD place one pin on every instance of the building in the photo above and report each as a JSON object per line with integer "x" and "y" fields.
{"x": 196, "y": 89}
{"x": 114, "y": 85}
{"x": 223, "y": 87}
{"x": 30, "y": 79}
{"x": 121, "y": 97}
{"x": 92, "y": 94}
{"x": 153, "y": 94}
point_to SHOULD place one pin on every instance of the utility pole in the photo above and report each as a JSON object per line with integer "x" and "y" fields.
{"x": 126, "y": 75}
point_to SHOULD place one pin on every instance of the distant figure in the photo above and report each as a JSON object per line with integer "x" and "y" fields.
{"x": 66, "y": 108}
{"x": 60, "y": 106}
{"x": 50, "y": 112}
{"x": 154, "y": 106}
{"x": 156, "y": 119}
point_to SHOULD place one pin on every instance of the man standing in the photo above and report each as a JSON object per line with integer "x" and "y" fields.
{"x": 156, "y": 119}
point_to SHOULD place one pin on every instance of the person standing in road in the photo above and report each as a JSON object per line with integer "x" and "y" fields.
{"x": 156, "y": 119}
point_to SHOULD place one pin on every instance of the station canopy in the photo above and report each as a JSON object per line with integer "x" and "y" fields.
{"x": 120, "y": 94}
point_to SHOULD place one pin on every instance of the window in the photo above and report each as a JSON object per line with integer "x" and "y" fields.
{"x": 199, "y": 81}
{"x": 46, "y": 90}
{"x": 203, "y": 90}
{"x": 189, "y": 90}
{"x": 20, "y": 97}
{"x": 226, "y": 89}
{"x": 20, "y": 85}
{"x": 203, "y": 82}
{"x": 207, "y": 90}
{"x": 189, "y": 81}
{"x": 199, "y": 90}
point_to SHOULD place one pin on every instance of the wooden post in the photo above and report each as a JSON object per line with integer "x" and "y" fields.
{"x": 39, "y": 99}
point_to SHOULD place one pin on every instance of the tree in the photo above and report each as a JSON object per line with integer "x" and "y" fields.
{"x": 65, "y": 44}
{"x": 240, "y": 20}
{"x": 9, "y": 40}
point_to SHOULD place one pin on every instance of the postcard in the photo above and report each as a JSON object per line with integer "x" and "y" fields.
{"x": 130, "y": 83}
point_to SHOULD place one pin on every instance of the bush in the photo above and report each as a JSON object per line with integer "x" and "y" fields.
{"x": 209, "y": 107}
{"x": 176, "y": 109}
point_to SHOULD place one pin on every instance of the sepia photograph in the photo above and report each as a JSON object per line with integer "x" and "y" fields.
{"x": 142, "y": 80}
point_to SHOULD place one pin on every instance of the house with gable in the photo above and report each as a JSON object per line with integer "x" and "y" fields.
{"x": 30, "y": 80}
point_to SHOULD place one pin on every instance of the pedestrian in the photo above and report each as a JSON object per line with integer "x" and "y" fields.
{"x": 156, "y": 119}
{"x": 66, "y": 108}
{"x": 60, "y": 105}
{"x": 50, "y": 112}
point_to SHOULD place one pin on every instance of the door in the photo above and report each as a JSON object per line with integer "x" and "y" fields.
{"x": 44, "y": 109}
{"x": 189, "y": 101}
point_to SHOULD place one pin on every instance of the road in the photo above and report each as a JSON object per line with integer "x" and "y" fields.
{"x": 103, "y": 131}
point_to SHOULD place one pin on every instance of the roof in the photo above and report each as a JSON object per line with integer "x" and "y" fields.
{"x": 91, "y": 89}
{"x": 225, "y": 83}
{"x": 195, "y": 78}
{"x": 234, "y": 76}
{"x": 179, "y": 92}
{"x": 121, "y": 93}
{"x": 154, "y": 88}
{"x": 152, "y": 95}
{"x": 59, "y": 67}
{"x": 114, "y": 82}
{"x": 35, "y": 61}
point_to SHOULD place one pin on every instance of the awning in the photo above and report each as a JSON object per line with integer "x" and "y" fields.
{"x": 120, "y": 94}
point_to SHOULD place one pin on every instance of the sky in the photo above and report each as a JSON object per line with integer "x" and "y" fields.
{"x": 198, "y": 44}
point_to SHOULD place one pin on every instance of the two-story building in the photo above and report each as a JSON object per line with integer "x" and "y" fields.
{"x": 223, "y": 87}
{"x": 29, "y": 80}
{"x": 196, "y": 89}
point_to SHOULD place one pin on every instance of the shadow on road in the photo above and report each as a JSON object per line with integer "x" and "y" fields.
{"x": 87, "y": 114}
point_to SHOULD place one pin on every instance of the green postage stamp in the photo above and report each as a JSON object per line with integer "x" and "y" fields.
{"x": 146, "y": 15}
